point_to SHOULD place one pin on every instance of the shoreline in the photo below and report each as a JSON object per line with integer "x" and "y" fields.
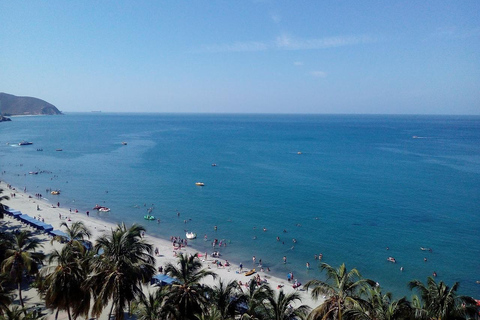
{"x": 27, "y": 204}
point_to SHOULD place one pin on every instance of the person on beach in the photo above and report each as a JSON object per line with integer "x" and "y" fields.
{"x": 241, "y": 267}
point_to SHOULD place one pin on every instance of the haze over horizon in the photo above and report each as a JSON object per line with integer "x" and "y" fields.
{"x": 256, "y": 56}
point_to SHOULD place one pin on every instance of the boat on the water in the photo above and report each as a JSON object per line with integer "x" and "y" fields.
{"x": 101, "y": 208}
{"x": 33, "y": 172}
{"x": 148, "y": 217}
{"x": 391, "y": 259}
{"x": 124, "y": 143}
{"x": 58, "y": 149}
{"x": 55, "y": 192}
{"x": 201, "y": 184}
{"x": 191, "y": 235}
{"x": 425, "y": 249}
{"x": 24, "y": 143}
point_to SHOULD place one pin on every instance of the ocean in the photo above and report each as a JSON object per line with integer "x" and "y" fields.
{"x": 354, "y": 188}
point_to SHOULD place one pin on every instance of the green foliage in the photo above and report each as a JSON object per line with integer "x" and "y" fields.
{"x": 21, "y": 258}
{"x": 123, "y": 264}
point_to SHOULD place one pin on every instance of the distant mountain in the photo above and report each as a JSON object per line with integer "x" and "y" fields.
{"x": 11, "y": 105}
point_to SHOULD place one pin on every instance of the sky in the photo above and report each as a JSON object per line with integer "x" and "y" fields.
{"x": 244, "y": 56}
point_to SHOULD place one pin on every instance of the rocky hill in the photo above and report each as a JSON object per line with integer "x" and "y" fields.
{"x": 11, "y": 105}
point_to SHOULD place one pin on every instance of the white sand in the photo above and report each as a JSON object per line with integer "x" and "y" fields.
{"x": 27, "y": 204}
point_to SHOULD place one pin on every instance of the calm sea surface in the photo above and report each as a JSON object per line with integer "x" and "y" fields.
{"x": 361, "y": 184}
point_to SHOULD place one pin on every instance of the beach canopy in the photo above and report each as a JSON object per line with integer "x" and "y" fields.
{"x": 162, "y": 279}
{"x": 15, "y": 213}
{"x": 35, "y": 223}
{"x": 59, "y": 233}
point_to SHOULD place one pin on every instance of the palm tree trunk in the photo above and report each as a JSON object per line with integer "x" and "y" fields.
{"x": 68, "y": 312}
{"x": 20, "y": 297}
{"x": 339, "y": 310}
{"x": 111, "y": 309}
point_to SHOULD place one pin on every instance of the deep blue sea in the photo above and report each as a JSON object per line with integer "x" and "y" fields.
{"x": 362, "y": 183}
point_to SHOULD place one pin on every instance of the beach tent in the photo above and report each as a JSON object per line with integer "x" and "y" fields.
{"x": 162, "y": 279}
{"x": 58, "y": 233}
{"x": 44, "y": 226}
{"x": 25, "y": 218}
{"x": 15, "y": 213}
{"x": 35, "y": 223}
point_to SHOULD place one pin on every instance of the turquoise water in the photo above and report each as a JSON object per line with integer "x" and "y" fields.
{"x": 361, "y": 184}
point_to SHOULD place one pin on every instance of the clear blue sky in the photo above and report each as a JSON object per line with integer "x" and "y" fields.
{"x": 388, "y": 57}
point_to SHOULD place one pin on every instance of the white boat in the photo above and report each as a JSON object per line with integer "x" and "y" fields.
{"x": 104, "y": 209}
{"x": 191, "y": 235}
{"x": 201, "y": 184}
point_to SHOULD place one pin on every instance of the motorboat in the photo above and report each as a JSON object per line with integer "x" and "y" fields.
{"x": 191, "y": 235}
{"x": 24, "y": 143}
{"x": 425, "y": 249}
{"x": 55, "y": 192}
{"x": 33, "y": 172}
{"x": 104, "y": 209}
{"x": 124, "y": 143}
{"x": 200, "y": 184}
{"x": 391, "y": 259}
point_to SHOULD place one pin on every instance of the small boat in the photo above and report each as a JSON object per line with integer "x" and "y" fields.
{"x": 24, "y": 143}
{"x": 425, "y": 249}
{"x": 33, "y": 172}
{"x": 249, "y": 273}
{"x": 214, "y": 164}
{"x": 104, "y": 209}
{"x": 391, "y": 259}
{"x": 299, "y": 152}
{"x": 191, "y": 235}
{"x": 55, "y": 192}
{"x": 58, "y": 149}
{"x": 201, "y": 184}
{"x": 124, "y": 143}
{"x": 148, "y": 217}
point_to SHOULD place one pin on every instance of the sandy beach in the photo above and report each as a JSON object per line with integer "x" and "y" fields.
{"x": 51, "y": 214}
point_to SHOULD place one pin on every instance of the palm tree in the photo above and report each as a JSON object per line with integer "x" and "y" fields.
{"x": 152, "y": 306}
{"x": 17, "y": 313}
{"x": 63, "y": 284}
{"x": 342, "y": 291}
{"x": 76, "y": 234}
{"x": 21, "y": 258}
{"x": 280, "y": 307}
{"x": 255, "y": 300}
{"x": 187, "y": 295}
{"x": 123, "y": 263}
{"x": 380, "y": 307}
{"x": 225, "y": 299}
{"x": 5, "y": 294}
{"x": 442, "y": 302}
{"x": 3, "y": 208}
